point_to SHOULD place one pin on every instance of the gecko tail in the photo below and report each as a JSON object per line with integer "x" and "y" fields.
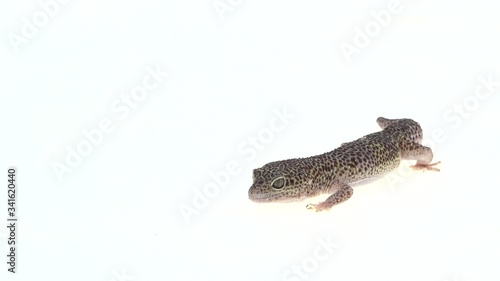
{"x": 410, "y": 129}
{"x": 385, "y": 122}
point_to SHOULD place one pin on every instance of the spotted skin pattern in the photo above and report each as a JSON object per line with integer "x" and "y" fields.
{"x": 335, "y": 172}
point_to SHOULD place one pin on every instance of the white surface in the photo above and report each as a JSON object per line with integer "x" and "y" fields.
{"x": 118, "y": 210}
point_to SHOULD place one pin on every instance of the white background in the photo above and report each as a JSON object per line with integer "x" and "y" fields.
{"x": 117, "y": 214}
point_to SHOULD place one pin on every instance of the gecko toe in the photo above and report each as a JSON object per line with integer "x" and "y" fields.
{"x": 428, "y": 167}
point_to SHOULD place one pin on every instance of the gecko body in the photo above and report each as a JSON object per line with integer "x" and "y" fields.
{"x": 335, "y": 172}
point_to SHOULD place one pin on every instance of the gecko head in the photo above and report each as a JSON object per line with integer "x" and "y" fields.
{"x": 278, "y": 182}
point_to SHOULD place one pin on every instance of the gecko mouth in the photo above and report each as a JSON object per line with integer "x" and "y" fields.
{"x": 258, "y": 197}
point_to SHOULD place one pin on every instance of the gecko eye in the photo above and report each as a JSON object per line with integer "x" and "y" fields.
{"x": 278, "y": 183}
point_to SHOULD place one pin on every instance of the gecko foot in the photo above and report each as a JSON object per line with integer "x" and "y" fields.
{"x": 343, "y": 193}
{"x": 318, "y": 207}
{"x": 424, "y": 167}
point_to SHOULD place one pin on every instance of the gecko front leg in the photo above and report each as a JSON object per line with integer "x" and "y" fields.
{"x": 344, "y": 192}
{"x": 423, "y": 155}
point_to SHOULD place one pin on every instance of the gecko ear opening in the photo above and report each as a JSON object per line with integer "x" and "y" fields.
{"x": 278, "y": 183}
